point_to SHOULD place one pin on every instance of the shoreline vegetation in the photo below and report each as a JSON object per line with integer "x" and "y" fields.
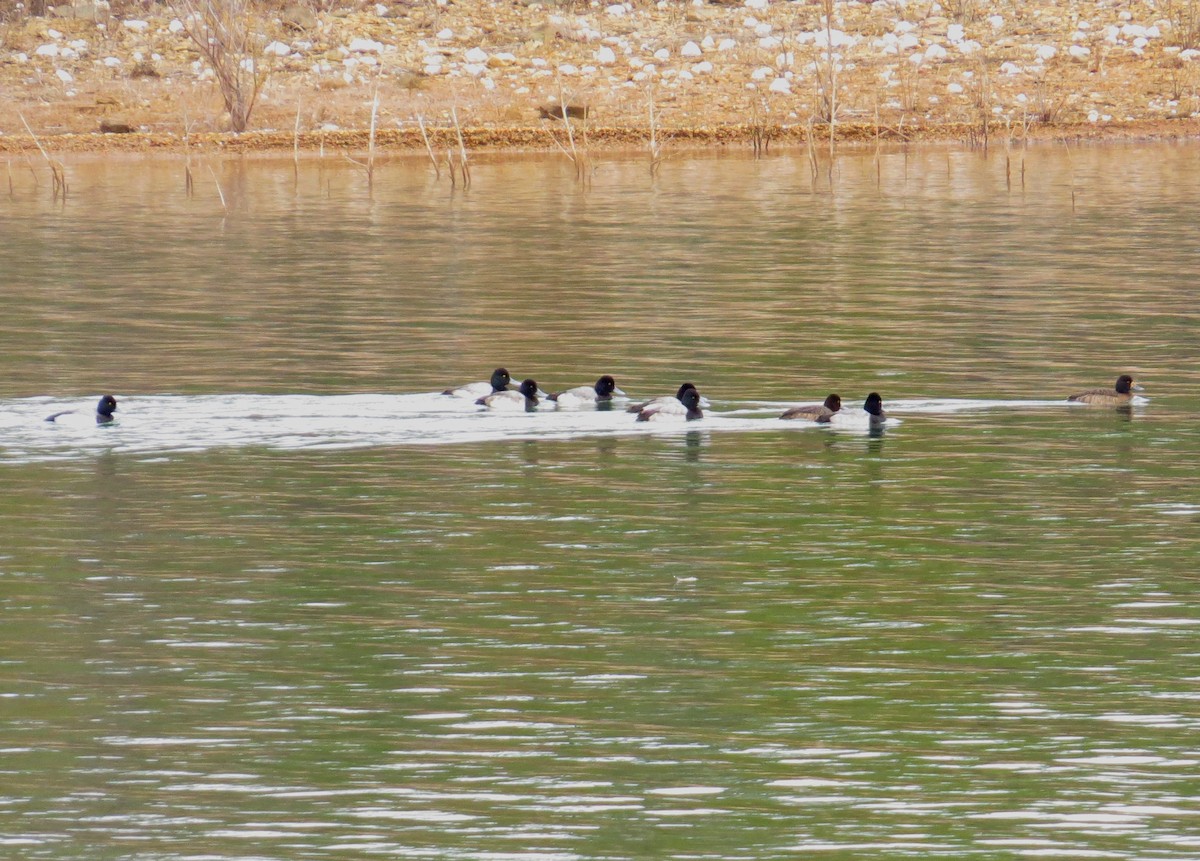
{"x": 569, "y": 75}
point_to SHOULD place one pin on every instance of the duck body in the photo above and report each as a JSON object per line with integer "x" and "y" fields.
{"x": 585, "y": 396}
{"x": 669, "y": 402}
{"x": 820, "y": 412}
{"x": 1120, "y": 394}
{"x": 870, "y": 416}
{"x": 524, "y": 398}
{"x": 685, "y": 408}
{"x": 105, "y": 408}
{"x": 500, "y": 382}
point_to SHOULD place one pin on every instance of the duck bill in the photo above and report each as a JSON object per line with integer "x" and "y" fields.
{"x": 617, "y": 393}
{"x": 1137, "y": 387}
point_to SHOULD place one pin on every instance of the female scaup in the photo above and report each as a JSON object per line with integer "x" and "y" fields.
{"x": 524, "y": 398}
{"x": 500, "y": 382}
{"x": 580, "y": 396}
{"x": 687, "y": 408}
{"x": 822, "y": 412}
{"x": 104, "y": 411}
{"x": 871, "y": 415}
{"x": 1121, "y": 394}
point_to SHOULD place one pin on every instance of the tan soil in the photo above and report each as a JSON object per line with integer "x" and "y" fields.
{"x": 1054, "y": 68}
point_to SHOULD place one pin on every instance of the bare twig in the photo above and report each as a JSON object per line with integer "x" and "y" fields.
{"x": 428, "y": 146}
{"x": 220, "y": 193}
{"x": 464, "y": 168}
{"x": 57, "y": 168}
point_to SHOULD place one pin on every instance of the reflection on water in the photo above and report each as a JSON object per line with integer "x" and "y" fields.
{"x": 290, "y": 607}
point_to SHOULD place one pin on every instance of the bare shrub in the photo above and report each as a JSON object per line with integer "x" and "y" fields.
{"x": 223, "y": 32}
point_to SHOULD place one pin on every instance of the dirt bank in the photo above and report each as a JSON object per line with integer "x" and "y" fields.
{"x": 707, "y": 72}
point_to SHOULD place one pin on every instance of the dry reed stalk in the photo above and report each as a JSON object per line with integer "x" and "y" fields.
{"x": 812, "y": 150}
{"x": 428, "y": 146}
{"x": 655, "y": 147}
{"x": 188, "y": 182}
{"x": 832, "y": 83}
{"x": 296, "y": 145}
{"x": 220, "y": 192}
{"x": 462, "y": 149}
{"x": 11, "y": 191}
{"x": 371, "y": 138}
{"x": 57, "y": 169}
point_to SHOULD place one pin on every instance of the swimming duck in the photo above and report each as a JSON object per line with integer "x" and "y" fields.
{"x": 525, "y": 397}
{"x": 104, "y": 411}
{"x": 604, "y": 390}
{"x": 871, "y": 415}
{"x": 1122, "y": 393}
{"x": 815, "y": 414}
{"x": 687, "y": 408}
{"x": 500, "y": 382}
{"x": 669, "y": 402}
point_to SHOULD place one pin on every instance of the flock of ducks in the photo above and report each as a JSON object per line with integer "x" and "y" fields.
{"x": 686, "y": 404}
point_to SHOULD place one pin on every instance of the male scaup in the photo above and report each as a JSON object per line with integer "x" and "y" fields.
{"x": 500, "y": 382}
{"x": 871, "y": 415}
{"x": 669, "y": 402}
{"x": 687, "y": 408}
{"x": 1121, "y": 394}
{"x": 604, "y": 390}
{"x": 104, "y": 411}
{"x": 822, "y": 412}
{"x": 524, "y": 398}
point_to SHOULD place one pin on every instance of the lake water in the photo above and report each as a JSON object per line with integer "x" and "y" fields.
{"x": 295, "y": 604}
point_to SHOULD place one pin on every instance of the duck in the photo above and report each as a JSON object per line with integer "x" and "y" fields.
{"x": 500, "y": 382}
{"x": 669, "y": 402}
{"x": 105, "y": 408}
{"x": 604, "y": 390}
{"x": 525, "y": 397}
{"x": 1121, "y": 393}
{"x": 871, "y": 415}
{"x": 832, "y": 404}
{"x": 687, "y": 409}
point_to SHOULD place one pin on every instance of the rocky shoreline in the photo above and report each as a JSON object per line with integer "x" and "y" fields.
{"x": 692, "y": 72}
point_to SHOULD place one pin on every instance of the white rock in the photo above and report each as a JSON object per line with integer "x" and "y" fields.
{"x": 53, "y": 34}
{"x": 47, "y": 50}
{"x": 1189, "y": 54}
{"x": 605, "y": 56}
{"x": 433, "y": 68}
{"x": 907, "y": 42}
{"x": 726, "y": 45}
{"x": 935, "y": 52}
{"x": 762, "y": 73}
{"x": 770, "y": 43}
{"x": 445, "y": 34}
{"x": 691, "y": 49}
{"x": 779, "y": 85}
{"x": 21, "y": 57}
{"x": 78, "y": 44}
{"x": 136, "y": 25}
{"x": 568, "y": 69}
{"x": 1010, "y": 69}
{"x": 1141, "y": 42}
{"x": 997, "y": 21}
{"x": 616, "y": 10}
{"x": 757, "y": 4}
{"x": 763, "y": 30}
{"x": 474, "y": 69}
{"x": 111, "y": 62}
{"x": 708, "y": 43}
{"x": 1079, "y": 51}
{"x": 1046, "y": 52}
{"x": 968, "y": 47}
{"x": 954, "y": 88}
{"x": 380, "y": 9}
{"x": 955, "y": 32}
{"x": 539, "y": 63}
{"x": 488, "y": 84}
{"x": 176, "y": 26}
{"x": 703, "y": 67}
{"x": 476, "y": 55}
{"x": 685, "y": 75}
{"x": 69, "y": 54}
{"x": 1093, "y": 115}
{"x": 364, "y": 46}
{"x": 64, "y": 75}
{"x": 279, "y": 49}
{"x": 662, "y": 55}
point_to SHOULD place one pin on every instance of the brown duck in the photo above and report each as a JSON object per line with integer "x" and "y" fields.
{"x": 815, "y": 414}
{"x": 1122, "y": 393}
